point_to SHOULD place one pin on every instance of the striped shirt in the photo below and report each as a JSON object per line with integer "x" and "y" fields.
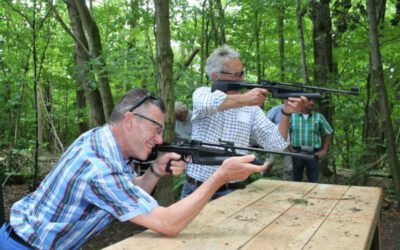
{"x": 89, "y": 186}
{"x": 308, "y": 132}
{"x": 235, "y": 125}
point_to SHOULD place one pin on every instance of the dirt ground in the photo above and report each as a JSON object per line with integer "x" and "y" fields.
{"x": 116, "y": 231}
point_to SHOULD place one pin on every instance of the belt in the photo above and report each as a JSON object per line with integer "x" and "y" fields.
{"x": 226, "y": 186}
{"x": 13, "y": 235}
{"x": 306, "y": 149}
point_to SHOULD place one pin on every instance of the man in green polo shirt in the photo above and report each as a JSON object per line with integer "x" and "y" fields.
{"x": 309, "y": 132}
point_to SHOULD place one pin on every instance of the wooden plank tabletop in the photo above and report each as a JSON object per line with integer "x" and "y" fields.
{"x": 277, "y": 215}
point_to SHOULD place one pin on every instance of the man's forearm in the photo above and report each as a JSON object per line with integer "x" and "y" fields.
{"x": 171, "y": 220}
{"x": 283, "y": 126}
{"x": 327, "y": 142}
{"x": 231, "y": 101}
{"x": 147, "y": 181}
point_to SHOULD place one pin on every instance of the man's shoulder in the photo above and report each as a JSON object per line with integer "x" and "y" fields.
{"x": 275, "y": 109}
{"x": 202, "y": 89}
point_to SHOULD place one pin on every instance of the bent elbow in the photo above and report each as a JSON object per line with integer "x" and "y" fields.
{"x": 170, "y": 232}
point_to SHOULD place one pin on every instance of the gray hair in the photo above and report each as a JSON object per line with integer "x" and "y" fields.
{"x": 130, "y": 99}
{"x": 180, "y": 107}
{"x": 215, "y": 62}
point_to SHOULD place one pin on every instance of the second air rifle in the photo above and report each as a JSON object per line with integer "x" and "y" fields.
{"x": 281, "y": 90}
{"x": 204, "y": 153}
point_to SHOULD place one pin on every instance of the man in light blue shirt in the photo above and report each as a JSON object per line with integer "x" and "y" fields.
{"x": 274, "y": 115}
{"x": 93, "y": 183}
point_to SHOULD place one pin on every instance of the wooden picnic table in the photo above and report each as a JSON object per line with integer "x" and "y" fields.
{"x": 271, "y": 214}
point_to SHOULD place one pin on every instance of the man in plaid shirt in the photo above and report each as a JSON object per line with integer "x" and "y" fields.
{"x": 309, "y": 132}
{"x": 232, "y": 117}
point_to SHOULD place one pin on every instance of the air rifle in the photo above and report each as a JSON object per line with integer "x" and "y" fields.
{"x": 280, "y": 90}
{"x": 204, "y": 153}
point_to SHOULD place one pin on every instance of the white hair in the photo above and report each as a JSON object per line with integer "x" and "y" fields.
{"x": 215, "y": 62}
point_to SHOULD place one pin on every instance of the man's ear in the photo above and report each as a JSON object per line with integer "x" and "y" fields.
{"x": 127, "y": 120}
{"x": 214, "y": 76}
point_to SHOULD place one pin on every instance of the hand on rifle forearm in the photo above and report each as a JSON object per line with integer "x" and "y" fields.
{"x": 238, "y": 168}
{"x": 294, "y": 104}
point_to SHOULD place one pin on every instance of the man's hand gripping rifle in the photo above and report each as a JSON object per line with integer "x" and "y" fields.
{"x": 281, "y": 90}
{"x": 204, "y": 153}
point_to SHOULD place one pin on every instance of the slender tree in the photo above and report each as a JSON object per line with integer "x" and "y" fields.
{"x": 300, "y": 11}
{"x": 95, "y": 46}
{"x": 281, "y": 19}
{"x": 82, "y": 75}
{"x": 384, "y": 109}
{"x": 165, "y": 59}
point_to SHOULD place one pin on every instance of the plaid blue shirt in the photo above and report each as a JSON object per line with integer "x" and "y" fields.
{"x": 89, "y": 186}
{"x": 235, "y": 125}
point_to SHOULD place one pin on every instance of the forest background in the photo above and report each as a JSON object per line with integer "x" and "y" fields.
{"x": 64, "y": 64}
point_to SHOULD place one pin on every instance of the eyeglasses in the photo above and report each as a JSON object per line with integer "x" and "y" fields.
{"x": 148, "y": 96}
{"x": 160, "y": 129}
{"x": 234, "y": 74}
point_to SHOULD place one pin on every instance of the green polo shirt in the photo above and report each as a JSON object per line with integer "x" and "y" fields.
{"x": 308, "y": 132}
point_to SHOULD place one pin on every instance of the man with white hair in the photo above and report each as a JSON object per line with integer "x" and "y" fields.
{"x": 232, "y": 116}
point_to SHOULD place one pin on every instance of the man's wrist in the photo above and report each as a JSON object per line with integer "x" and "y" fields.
{"x": 284, "y": 113}
{"x": 154, "y": 172}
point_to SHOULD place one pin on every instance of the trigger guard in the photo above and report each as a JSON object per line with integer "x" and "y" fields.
{"x": 168, "y": 167}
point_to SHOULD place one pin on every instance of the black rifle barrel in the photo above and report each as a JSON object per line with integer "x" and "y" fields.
{"x": 229, "y": 146}
{"x": 353, "y": 91}
{"x": 280, "y": 90}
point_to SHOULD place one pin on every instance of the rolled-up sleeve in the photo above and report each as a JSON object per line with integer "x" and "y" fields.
{"x": 206, "y": 103}
{"x": 267, "y": 133}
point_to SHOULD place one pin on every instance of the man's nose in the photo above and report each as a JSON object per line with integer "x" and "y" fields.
{"x": 159, "y": 138}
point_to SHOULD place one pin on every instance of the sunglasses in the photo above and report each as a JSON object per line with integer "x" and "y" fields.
{"x": 148, "y": 96}
{"x": 160, "y": 129}
{"x": 235, "y": 74}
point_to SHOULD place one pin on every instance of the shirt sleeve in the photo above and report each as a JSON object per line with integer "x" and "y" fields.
{"x": 266, "y": 133}
{"x": 325, "y": 128}
{"x": 206, "y": 103}
{"x": 115, "y": 192}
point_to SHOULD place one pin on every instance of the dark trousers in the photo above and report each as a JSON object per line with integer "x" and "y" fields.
{"x": 311, "y": 166}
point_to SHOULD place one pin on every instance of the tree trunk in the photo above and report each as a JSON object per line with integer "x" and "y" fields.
{"x": 35, "y": 92}
{"x": 165, "y": 59}
{"x": 323, "y": 70}
{"x": 93, "y": 34}
{"x": 82, "y": 61}
{"x": 203, "y": 42}
{"x": 257, "y": 30}
{"x": 373, "y": 135}
{"x": 214, "y": 29}
{"x": 281, "y": 19}
{"x": 382, "y": 94}
{"x": 221, "y": 21}
{"x": 300, "y": 13}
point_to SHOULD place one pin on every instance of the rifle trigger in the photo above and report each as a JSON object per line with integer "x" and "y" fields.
{"x": 168, "y": 167}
